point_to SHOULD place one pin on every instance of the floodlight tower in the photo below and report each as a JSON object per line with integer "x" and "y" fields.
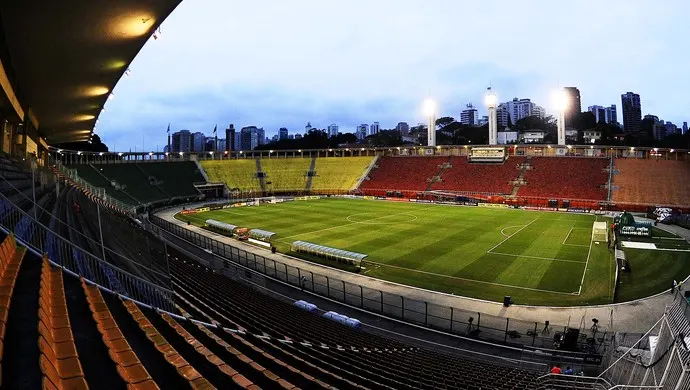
{"x": 561, "y": 103}
{"x": 429, "y": 109}
{"x": 490, "y": 99}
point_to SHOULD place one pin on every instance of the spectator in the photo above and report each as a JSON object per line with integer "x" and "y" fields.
{"x": 556, "y": 369}
{"x": 568, "y": 371}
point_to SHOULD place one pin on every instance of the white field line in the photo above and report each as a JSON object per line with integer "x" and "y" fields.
{"x": 340, "y": 226}
{"x": 508, "y": 227}
{"x": 508, "y": 238}
{"x": 536, "y": 257}
{"x": 469, "y": 280}
{"x": 589, "y": 252}
{"x": 568, "y": 235}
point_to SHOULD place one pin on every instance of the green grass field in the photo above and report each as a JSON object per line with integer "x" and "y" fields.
{"x": 539, "y": 258}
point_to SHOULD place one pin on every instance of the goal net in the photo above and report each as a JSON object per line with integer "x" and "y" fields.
{"x": 600, "y": 232}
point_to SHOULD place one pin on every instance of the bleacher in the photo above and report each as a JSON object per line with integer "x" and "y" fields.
{"x": 566, "y": 178}
{"x": 479, "y": 177}
{"x": 285, "y": 174}
{"x": 654, "y": 182}
{"x": 142, "y": 183}
{"x": 338, "y": 174}
{"x": 403, "y": 173}
{"x": 240, "y": 174}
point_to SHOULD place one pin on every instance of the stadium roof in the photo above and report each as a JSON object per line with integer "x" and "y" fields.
{"x": 63, "y": 59}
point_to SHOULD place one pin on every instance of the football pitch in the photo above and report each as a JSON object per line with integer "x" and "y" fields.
{"x": 537, "y": 257}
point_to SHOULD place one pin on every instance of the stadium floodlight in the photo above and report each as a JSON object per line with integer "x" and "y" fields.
{"x": 120, "y": 154}
{"x": 181, "y": 153}
{"x": 100, "y": 153}
{"x": 490, "y": 99}
{"x": 150, "y": 153}
{"x": 672, "y": 150}
{"x": 211, "y": 152}
{"x": 166, "y": 153}
{"x": 270, "y": 151}
{"x": 429, "y": 107}
{"x": 656, "y": 149}
{"x": 299, "y": 150}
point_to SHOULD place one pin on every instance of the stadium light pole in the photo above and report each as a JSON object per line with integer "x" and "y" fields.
{"x": 561, "y": 103}
{"x": 429, "y": 109}
{"x": 490, "y": 99}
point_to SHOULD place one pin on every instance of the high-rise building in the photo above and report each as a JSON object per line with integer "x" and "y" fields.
{"x": 249, "y": 138}
{"x": 198, "y": 139}
{"x": 483, "y": 121}
{"x": 685, "y": 127}
{"x": 612, "y": 114}
{"x": 182, "y": 141}
{"x": 403, "y": 128}
{"x": 283, "y": 133}
{"x": 632, "y": 112}
{"x": 469, "y": 116}
{"x": 670, "y": 128}
{"x": 298, "y": 136}
{"x": 221, "y": 144}
{"x": 362, "y": 131}
{"x": 604, "y": 114}
{"x": 230, "y": 143}
{"x": 658, "y": 127}
{"x": 332, "y": 130}
{"x": 374, "y": 128}
{"x": 261, "y": 135}
{"x": 574, "y": 105}
{"x": 516, "y": 109}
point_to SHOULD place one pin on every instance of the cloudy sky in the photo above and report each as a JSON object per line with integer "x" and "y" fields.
{"x": 276, "y": 63}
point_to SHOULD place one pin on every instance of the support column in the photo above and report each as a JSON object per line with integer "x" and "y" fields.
{"x": 561, "y": 128}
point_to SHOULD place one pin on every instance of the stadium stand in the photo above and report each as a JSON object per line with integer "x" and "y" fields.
{"x": 660, "y": 182}
{"x": 237, "y": 174}
{"x": 142, "y": 183}
{"x": 338, "y": 174}
{"x": 403, "y": 173}
{"x": 566, "y": 178}
{"x": 285, "y": 174}
{"x": 477, "y": 177}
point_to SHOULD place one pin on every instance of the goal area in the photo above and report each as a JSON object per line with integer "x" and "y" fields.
{"x": 600, "y": 232}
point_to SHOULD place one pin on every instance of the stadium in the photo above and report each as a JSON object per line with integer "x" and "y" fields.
{"x": 415, "y": 267}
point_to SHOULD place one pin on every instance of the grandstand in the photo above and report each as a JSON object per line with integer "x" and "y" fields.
{"x": 655, "y": 182}
{"x": 569, "y": 178}
{"x": 286, "y": 175}
{"x": 338, "y": 174}
{"x": 464, "y": 176}
{"x": 404, "y": 173}
{"x": 142, "y": 183}
{"x": 237, "y": 174}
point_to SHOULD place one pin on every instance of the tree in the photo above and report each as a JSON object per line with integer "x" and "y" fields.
{"x": 584, "y": 120}
{"x": 93, "y": 145}
{"x": 385, "y": 138}
{"x": 444, "y": 121}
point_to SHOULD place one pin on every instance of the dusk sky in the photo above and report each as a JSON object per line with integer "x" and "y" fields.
{"x": 277, "y": 64}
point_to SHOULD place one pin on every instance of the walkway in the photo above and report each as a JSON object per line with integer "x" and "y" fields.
{"x": 635, "y": 317}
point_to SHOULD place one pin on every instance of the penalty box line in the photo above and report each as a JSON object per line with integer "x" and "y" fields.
{"x": 510, "y": 236}
{"x": 470, "y": 280}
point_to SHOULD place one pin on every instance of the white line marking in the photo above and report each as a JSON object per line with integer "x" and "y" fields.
{"x": 508, "y": 227}
{"x": 568, "y": 235}
{"x": 469, "y": 280}
{"x": 535, "y": 257}
{"x": 508, "y": 238}
{"x": 589, "y": 252}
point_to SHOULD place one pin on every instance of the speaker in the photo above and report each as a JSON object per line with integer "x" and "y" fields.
{"x": 570, "y": 340}
{"x": 507, "y": 301}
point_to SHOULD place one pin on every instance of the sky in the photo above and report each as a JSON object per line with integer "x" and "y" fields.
{"x": 274, "y": 63}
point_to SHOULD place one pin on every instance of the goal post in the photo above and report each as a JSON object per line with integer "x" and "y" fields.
{"x": 600, "y": 232}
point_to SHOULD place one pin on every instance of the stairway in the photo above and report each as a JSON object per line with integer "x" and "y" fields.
{"x": 262, "y": 180}
{"x": 310, "y": 174}
{"x": 520, "y": 178}
{"x": 442, "y": 168}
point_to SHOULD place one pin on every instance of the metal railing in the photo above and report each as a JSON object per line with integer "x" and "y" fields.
{"x": 529, "y": 337}
{"x": 62, "y": 251}
{"x": 98, "y": 192}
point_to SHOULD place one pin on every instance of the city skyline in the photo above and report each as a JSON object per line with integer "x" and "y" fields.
{"x": 279, "y": 73}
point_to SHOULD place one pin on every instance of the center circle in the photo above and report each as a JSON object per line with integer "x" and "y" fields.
{"x": 381, "y": 218}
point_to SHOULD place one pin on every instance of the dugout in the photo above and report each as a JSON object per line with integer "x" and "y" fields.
{"x": 222, "y": 226}
{"x": 260, "y": 235}
{"x": 339, "y": 255}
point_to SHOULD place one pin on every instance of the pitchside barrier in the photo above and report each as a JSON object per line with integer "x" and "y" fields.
{"x": 453, "y": 320}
